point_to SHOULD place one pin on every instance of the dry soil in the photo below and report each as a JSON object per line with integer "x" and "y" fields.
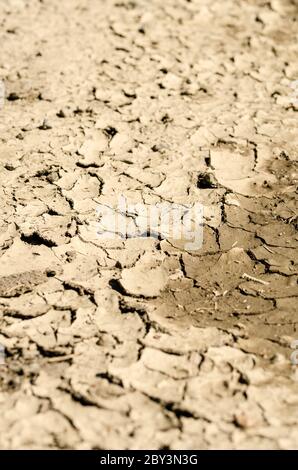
{"x": 136, "y": 343}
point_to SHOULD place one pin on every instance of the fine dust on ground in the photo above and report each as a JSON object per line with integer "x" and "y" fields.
{"x": 140, "y": 343}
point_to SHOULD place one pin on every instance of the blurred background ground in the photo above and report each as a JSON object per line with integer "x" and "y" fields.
{"x": 140, "y": 343}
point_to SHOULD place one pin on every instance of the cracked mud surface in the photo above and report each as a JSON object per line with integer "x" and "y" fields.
{"x": 140, "y": 343}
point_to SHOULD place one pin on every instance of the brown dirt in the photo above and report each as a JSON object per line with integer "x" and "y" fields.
{"x": 139, "y": 343}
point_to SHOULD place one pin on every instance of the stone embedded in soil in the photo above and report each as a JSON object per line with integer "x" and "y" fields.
{"x": 16, "y": 284}
{"x": 145, "y": 282}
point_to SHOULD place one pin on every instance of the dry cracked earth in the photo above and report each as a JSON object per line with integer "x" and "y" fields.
{"x": 135, "y": 343}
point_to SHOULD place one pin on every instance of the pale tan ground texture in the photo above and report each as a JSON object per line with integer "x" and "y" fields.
{"x": 139, "y": 343}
